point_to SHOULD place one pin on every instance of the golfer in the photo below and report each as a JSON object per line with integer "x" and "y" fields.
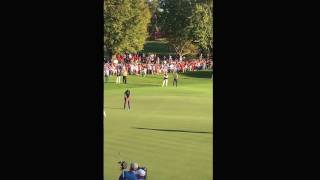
{"x": 118, "y": 76}
{"x": 106, "y": 73}
{"x": 126, "y": 99}
{"x": 165, "y": 79}
{"x": 175, "y": 78}
{"x": 124, "y": 76}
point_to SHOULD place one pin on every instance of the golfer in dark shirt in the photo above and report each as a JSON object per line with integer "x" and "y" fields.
{"x": 175, "y": 78}
{"x": 126, "y": 99}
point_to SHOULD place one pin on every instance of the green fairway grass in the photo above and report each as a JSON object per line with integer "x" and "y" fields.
{"x": 168, "y": 130}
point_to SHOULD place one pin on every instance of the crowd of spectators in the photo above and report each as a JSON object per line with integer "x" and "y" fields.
{"x": 142, "y": 65}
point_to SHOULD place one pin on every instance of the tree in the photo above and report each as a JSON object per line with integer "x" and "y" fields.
{"x": 125, "y": 25}
{"x": 202, "y": 27}
{"x": 153, "y": 5}
{"x": 153, "y": 27}
{"x": 175, "y": 21}
{"x": 187, "y": 23}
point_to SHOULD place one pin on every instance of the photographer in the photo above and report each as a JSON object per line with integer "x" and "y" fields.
{"x": 128, "y": 175}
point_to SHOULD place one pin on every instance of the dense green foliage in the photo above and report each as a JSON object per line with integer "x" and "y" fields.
{"x": 175, "y": 23}
{"x": 187, "y": 24}
{"x": 202, "y": 26}
{"x": 125, "y": 26}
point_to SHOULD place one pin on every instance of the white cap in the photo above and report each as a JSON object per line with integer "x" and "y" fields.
{"x": 141, "y": 172}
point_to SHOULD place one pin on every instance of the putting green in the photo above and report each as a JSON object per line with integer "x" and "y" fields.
{"x": 168, "y": 130}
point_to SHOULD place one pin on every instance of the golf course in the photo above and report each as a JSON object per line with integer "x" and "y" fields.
{"x": 168, "y": 129}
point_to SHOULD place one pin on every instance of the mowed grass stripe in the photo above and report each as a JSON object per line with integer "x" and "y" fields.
{"x": 148, "y": 145}
{"x": 162, "y": 138}
{"x": 163, "y": 141}
{"x": 167, "y": 155}
{"x": 154, "y": 151}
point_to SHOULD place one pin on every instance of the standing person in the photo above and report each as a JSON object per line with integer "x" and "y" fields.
{"x": 158, "y": 60}
{"x": 124, "y": 76}
{"x": 204, "y": 65}
{"x": 144, "y": 72}
{"x": 149, "y": 68}
{"x": 126, "y": 99}
{"x": 106, "y": 73}
{"x": 153, "y": 69}
{"x": 131, "y": 69}
{"x": 165, "y": 79}
{"x": 118, "y": 73}
{"x": 175, "y": 78}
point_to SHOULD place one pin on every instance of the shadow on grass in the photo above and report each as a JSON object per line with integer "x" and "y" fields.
{"x": 199, "y": 74}
{"x": 174, "y": 130}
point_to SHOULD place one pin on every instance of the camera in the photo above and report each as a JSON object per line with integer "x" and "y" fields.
{"x": 123, "y": 165}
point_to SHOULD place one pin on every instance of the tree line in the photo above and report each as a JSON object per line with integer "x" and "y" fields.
{"x": 186, "y": 24}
